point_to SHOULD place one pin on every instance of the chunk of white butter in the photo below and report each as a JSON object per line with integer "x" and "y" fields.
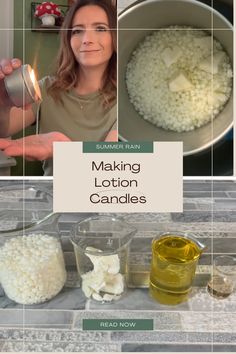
{"x": 114, "y": 284}
{"x": 97, "y": 297}
{"x": 104, "y": 282}
{"x": 171, "y": 55}
{"x": 211, "y": 64}
{"x": 109, "y": 297}
{"x": 217, "y": 98}
{"x": 110, "y": 264}
{"x": 86, "y": 288}
{"x": 180, "y": 82}
{"x": 94, "y": 280}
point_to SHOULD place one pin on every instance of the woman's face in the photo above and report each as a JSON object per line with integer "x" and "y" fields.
{"x": 91, "y": 39}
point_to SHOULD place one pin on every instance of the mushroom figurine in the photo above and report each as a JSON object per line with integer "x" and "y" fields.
{"x": 47, "y": 12}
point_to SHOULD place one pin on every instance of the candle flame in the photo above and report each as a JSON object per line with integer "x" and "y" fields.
{"x": 32, "y": 76}
{"x": 36, "y": 85}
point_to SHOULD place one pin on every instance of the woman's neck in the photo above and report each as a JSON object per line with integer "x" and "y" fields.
{"x": 90, "y": 80}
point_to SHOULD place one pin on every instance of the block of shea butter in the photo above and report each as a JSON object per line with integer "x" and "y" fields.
{"x": 114, "y": 284}
{"x": 170, "y": 56}
{"x": 180, "y": 82}
{"x": 110, "y": 264}
{"x": 211, "y": 64}
{"x": 216, "y": 98}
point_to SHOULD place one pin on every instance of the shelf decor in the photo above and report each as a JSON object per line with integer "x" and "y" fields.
{"x": 47, "y": 16}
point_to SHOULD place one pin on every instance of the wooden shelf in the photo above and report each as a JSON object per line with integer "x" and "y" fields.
{"x": 46, "y": 29}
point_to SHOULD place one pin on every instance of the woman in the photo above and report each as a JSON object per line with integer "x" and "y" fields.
{"x": 79, "y": 101}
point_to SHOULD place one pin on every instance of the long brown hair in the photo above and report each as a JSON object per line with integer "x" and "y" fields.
{"x": 66, "y": 74}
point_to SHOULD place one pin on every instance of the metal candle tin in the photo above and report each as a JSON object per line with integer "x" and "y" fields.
{"x": 22, "y": 87}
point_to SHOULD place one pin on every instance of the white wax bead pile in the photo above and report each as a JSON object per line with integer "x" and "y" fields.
{"x": 175, "y": 82}
{"x": 32, "y": 268}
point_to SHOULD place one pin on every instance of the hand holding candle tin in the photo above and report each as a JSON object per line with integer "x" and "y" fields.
{"x": 20, "y": 88}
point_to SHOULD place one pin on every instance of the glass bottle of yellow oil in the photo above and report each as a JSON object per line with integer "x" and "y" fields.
{"x": 174, "y": 261}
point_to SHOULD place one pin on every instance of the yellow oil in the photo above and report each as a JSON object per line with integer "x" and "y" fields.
{"x": 174, "y": 261}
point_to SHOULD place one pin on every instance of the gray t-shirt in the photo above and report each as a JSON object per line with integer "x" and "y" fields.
{"x": 80, "y": 118}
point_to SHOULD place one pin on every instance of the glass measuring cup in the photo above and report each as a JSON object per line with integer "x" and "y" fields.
{"x": 32, "y": 268}
{"x": 223, "y": 279}
{"x": 101, "y": 246}
{"x": 174, "y": 261}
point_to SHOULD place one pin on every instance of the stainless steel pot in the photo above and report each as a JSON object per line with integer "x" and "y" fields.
{"x": 155, "y": 14}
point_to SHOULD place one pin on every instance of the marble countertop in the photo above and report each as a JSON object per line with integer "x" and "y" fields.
{"x": 200, "y": 324}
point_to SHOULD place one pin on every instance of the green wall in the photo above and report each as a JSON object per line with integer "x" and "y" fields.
{"x": 40, "y": 52}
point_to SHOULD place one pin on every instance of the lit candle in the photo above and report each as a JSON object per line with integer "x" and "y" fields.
{"x": 20, "y": 88}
